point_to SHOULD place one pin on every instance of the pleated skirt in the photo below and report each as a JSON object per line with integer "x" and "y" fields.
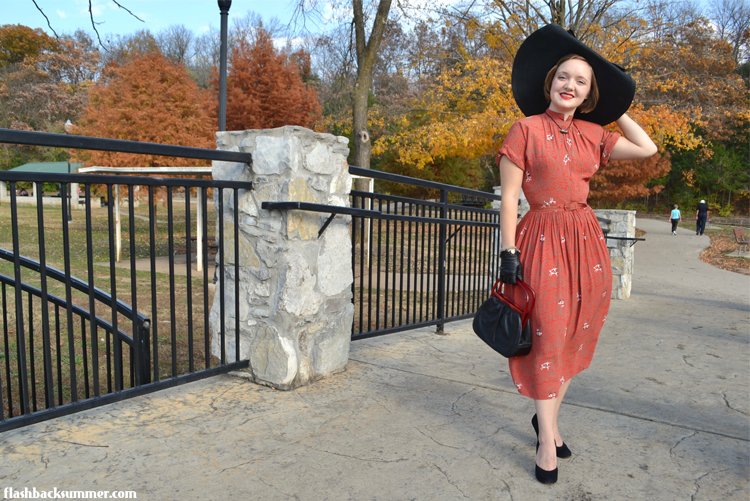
{"x": 565, "y": 260}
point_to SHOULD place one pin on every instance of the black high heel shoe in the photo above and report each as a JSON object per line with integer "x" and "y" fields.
{"x": 562, "y": 451}
{"x": 544, "y": 476}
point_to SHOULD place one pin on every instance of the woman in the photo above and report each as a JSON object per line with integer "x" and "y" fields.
{"x": 558, "y": 247}
{"x": 675, "y": 217}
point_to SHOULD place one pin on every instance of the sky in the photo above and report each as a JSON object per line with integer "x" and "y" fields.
{"x": 66, "y": 16}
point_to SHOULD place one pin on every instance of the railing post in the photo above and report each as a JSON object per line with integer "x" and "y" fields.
{"x": 23, "y": 383}
{"x": 442, "y": 236}
{"x": 118, "y": 227}
{"x": 199, "y": 229}
{"x": 143, "y": 351}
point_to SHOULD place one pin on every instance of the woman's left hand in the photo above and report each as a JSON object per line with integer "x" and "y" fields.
{"x": 510, "y": 267}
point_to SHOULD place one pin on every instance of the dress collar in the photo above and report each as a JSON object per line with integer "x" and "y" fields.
{"x": 558, "y": 117}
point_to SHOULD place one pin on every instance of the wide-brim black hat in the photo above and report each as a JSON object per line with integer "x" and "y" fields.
{"x": 542, "y": 50}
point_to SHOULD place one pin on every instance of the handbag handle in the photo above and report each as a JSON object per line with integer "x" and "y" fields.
{"x": 529, "y": 294}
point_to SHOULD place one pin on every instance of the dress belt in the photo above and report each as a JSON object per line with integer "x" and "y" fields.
{"x": 554, "y": 206}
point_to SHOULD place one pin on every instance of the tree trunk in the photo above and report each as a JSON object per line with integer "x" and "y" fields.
{"x": 362, "y": 144}
{"x": 366, "y": 53}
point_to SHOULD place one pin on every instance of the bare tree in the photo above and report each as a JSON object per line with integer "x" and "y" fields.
{"x": 91, "y": 15}
{"x": 245, "y": 27}
{"x": 333, "y": 59}
{"x": 121, "y": 48}
{"x": 372, "y": 17}
{"x": 732, "y": 20}
{"x": 175, "y": 43}
{"x": 526, "y": 16}
{"x": 206, "y": 49}
{"x": 666, "y": 17}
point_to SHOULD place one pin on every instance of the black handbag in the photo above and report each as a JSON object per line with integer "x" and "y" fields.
{"x": 503, "y": 325}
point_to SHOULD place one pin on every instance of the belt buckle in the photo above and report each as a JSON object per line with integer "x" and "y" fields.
{"x": 570, "y": 206}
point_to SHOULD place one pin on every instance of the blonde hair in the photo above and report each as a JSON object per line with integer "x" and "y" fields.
{"x": 589, "y": 103}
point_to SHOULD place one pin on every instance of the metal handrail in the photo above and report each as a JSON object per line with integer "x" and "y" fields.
{"x": 374, "y": 214}
{"x": 38, "y": 177}
{"x": 98, "y": 143}
{"x": 417, "y": 201}
{"x": 635, "y": 240}
{"x": 58, "y": 301}
{"x": 397, "y": 178}
{"x": 78, "y": 284}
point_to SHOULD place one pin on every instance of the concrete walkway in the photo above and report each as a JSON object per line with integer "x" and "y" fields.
{"x": 662, "y": 414}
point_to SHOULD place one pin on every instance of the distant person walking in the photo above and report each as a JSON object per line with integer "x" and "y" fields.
{"x": 701, "y": 216}
{"x": 676, "y": 217}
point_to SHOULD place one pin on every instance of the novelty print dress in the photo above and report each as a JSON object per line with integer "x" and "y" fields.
{"x": 563, "y": 250}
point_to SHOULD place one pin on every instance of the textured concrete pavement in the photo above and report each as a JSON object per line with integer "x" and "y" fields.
{"x": 662, "y": 414}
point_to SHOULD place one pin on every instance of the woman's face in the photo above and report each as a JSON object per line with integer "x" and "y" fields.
{"x": 570, "y": 86}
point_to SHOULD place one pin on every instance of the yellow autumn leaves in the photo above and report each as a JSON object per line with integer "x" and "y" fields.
{"x": 466, "y": 113}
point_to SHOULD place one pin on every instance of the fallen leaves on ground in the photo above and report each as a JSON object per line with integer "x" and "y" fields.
{"x": 722, "y": 243}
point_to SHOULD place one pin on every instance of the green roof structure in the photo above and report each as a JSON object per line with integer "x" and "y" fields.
{"x": 49, "y": 167}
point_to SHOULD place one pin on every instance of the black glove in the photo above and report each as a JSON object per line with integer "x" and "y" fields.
{"x": 510, "y": 266}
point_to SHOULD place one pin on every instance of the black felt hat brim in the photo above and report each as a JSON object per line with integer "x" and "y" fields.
{"x": 541, "y": 51}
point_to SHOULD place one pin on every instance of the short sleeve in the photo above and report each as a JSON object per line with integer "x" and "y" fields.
{"x": 514, "y": 146}
{"x": 609, "y": 139}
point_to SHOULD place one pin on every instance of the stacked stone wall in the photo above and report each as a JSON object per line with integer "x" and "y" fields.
{"x": 295, "y": 287}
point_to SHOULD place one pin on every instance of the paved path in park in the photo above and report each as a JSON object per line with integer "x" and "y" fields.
{"x": 662, "y": 414}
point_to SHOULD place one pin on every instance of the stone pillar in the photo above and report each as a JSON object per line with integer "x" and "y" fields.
{"x": 296, "y": 303}
{"x": 621, "y": 252}
{"x": 3, "y": 191}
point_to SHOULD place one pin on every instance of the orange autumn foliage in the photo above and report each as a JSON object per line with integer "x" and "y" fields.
{"x": 623, "y": 180}
{"x": 147, "y": 99}
{"x": 265, "y": 87}
{"x": 694, "y": 72}
{"x": 18, "y": 42}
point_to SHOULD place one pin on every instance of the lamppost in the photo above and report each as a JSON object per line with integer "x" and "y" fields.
{"x": 224, "y": 8}
{"x": 67, "y": 127}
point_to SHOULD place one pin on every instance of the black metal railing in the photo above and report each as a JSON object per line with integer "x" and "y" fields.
{"x": 419, "y": 263}
{"x": 81, "y": 329}
{"x": 53, "y": 376}
{"x": 416, "y": 263}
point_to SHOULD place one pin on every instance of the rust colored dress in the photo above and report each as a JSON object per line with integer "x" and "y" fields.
{"x": 563, "y": 251}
